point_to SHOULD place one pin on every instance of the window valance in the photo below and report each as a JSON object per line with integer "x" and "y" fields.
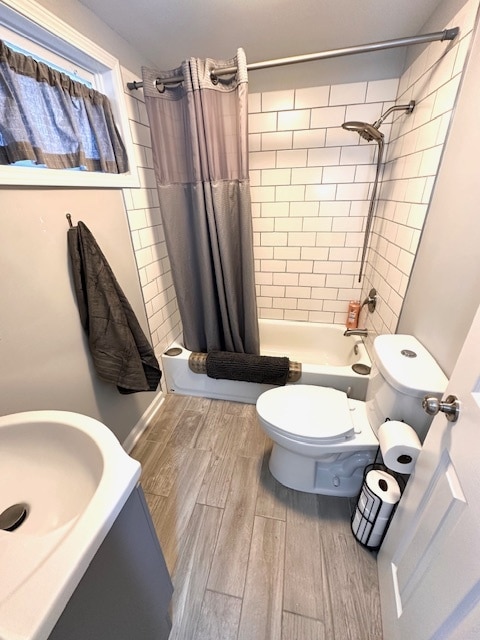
{"x": 50, "y": 120}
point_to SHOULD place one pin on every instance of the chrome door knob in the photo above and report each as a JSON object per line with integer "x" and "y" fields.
{"x": 450, "y": 406}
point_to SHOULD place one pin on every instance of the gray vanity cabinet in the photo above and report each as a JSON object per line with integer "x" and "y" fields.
{"x": 125, "y": 593}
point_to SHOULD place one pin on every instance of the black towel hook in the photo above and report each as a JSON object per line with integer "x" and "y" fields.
{"x": 69, "y": 218}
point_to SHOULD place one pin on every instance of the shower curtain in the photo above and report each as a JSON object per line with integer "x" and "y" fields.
{"x": 200, "y": 151}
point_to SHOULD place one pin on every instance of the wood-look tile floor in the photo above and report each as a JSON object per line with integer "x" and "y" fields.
{"x": 249, "y": 558}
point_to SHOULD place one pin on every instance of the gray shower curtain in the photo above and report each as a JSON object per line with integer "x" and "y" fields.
{"x": 200, "y": 149}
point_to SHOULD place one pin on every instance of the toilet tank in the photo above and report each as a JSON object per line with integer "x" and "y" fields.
{"x": 403, "y": 372}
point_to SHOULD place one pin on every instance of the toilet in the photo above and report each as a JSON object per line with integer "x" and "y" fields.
{"x": 323, "y": 440}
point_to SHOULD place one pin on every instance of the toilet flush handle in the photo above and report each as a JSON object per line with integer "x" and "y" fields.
{"x": 450, "y": 407}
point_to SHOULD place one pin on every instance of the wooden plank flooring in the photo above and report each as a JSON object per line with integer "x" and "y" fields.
{"x": 249, "y": 558}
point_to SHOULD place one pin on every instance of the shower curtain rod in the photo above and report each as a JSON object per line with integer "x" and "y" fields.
{"x": 446, "y": 34}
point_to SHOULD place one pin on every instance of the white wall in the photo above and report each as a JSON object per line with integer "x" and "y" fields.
{"x": 44, "y": 354}
{"x": 444, "y": 292}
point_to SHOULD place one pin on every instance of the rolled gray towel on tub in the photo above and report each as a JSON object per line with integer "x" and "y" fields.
{"x": 247, "y": 367}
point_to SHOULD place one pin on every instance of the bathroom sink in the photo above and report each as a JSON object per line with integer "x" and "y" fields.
{"x": 72, "y": 477}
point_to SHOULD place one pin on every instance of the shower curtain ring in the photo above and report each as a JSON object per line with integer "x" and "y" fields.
{"x": 214, "y": 78}
{"x": 159, "y": 86}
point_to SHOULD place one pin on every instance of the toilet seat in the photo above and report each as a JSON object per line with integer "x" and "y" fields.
{"x": 307, "y": 412}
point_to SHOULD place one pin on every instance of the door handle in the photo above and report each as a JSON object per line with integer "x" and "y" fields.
{"x": 450, "y": 407}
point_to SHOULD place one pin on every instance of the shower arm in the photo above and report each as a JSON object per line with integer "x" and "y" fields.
{"x": 397, "y": 107}
{"x": 371, "y": 209}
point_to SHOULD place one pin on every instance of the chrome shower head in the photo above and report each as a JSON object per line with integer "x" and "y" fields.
{"x": 366, "y": 131}
{"x": 371, "y": 132}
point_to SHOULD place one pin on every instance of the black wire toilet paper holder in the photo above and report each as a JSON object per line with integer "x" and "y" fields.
{"x": 368, "y": 514}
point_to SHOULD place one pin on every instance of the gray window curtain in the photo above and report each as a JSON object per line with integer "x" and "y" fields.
{"x": 200, "y": 147}
{"x": 50, "y": 120}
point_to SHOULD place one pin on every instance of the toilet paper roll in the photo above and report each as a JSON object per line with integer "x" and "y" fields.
{"x": 386, "y": 490}
{"x": 399, "y": 445}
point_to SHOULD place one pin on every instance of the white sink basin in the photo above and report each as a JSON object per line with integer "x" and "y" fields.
{"x": 74, "y": 478}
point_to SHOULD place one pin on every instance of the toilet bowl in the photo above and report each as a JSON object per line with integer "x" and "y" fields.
{"x": 323, "y": 440}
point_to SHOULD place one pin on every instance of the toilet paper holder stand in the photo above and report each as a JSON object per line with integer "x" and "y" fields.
{"x": 368, "y": 529}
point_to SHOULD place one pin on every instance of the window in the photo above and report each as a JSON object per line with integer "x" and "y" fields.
{"x": 30, "y": 29}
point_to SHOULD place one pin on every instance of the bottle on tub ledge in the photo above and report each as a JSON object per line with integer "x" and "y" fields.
{"x": 353, "y": 313}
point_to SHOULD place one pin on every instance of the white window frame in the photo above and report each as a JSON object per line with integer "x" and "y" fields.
{"x": 33, "y": 22}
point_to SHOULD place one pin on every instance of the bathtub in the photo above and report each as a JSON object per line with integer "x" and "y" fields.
{"x": 326, "y": 355}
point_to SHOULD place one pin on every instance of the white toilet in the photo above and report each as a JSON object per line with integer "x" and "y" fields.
{"x": 322, "y": 440}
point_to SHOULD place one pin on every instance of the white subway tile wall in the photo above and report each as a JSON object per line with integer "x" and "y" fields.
{"x": 312, "y": 180}
{"x": 310, "y": 190}
{"x": 146, "y": 231}
{"x": 413, "y": 157}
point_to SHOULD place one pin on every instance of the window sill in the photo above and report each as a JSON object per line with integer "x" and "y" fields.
{"x": 33, "y": 177}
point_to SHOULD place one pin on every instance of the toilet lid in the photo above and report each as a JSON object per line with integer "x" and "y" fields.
{"x": 307, "y": 411}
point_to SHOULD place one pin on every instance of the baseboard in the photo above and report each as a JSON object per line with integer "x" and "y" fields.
{"x": 143, "y": 422}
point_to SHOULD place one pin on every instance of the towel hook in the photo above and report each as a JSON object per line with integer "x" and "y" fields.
{"x": 69, "y": 218}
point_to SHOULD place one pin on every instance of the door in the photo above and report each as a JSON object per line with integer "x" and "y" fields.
{"x": 429, "y": 563}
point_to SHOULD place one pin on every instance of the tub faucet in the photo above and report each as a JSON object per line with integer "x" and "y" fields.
{"x": 356, "y": 332}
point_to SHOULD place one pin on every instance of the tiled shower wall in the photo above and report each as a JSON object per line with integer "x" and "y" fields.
{"x": 311, "y": 183}
{"x": 413, "y": 157}
{"x": 147, "y": 232}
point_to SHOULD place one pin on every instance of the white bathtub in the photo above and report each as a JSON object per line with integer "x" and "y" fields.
{"x": 326, "y": 355}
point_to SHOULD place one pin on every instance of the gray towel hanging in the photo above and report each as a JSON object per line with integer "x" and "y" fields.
{"x": 121, "y": 353}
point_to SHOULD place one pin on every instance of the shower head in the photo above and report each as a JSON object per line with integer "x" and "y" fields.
{"x": 371, "y": 132}
{"x": 366, "y": 131}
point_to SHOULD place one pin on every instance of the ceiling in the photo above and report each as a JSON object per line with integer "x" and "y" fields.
{"x": 169, "y": 31}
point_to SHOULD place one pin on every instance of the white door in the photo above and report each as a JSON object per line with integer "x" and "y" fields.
{"x": 429, "y": 563}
